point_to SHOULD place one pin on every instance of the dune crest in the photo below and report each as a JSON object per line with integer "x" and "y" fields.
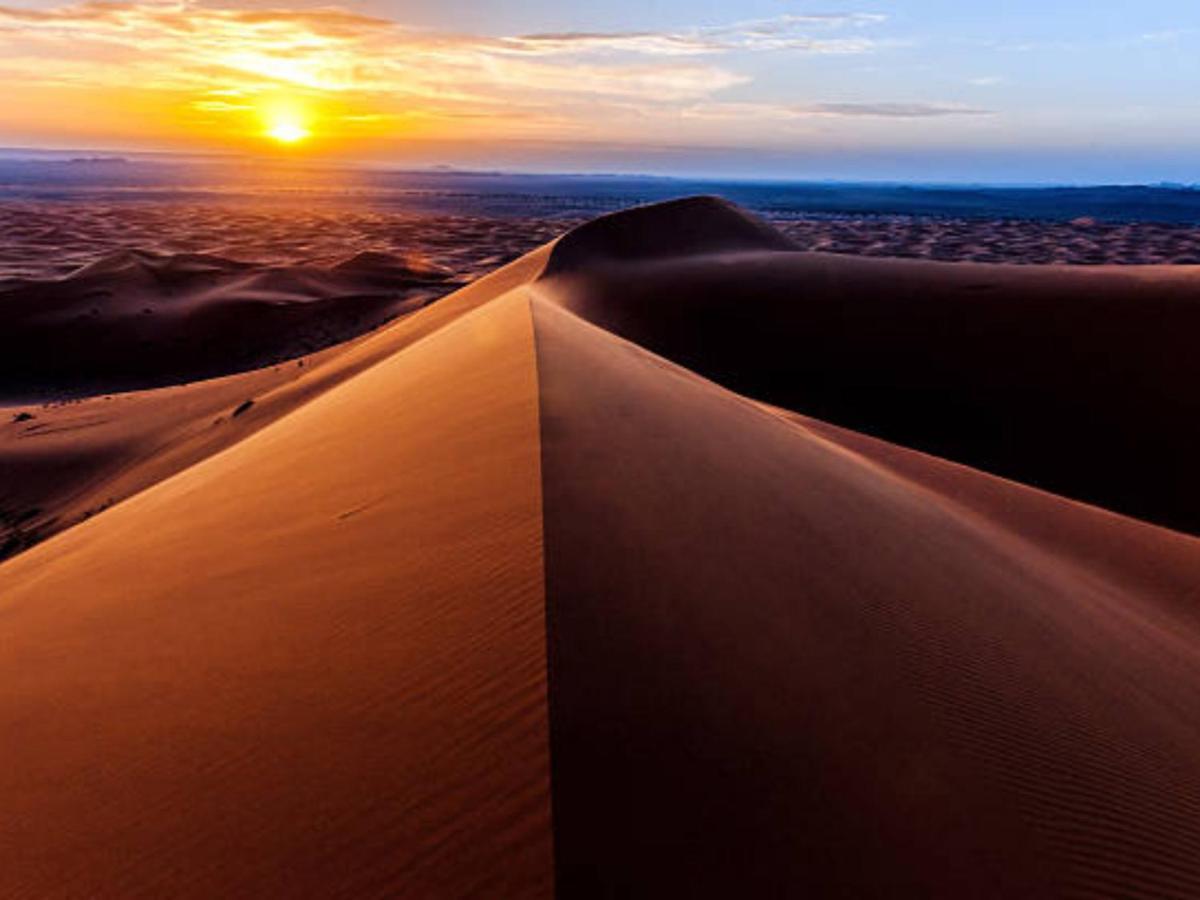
{"x": 542, "y": 589}
{"x": 689, "y": 227}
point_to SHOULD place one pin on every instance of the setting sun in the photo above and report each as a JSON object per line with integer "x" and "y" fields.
{"x": 285, "y": 120}
{"x": 287, "y": 131}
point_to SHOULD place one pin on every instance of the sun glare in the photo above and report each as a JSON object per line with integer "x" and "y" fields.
{"x": 287, "y": 131}
{"x": 285, "y": 120}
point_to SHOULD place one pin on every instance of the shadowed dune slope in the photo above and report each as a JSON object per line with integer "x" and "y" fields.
{"x": 496, "y": 602}
{"x": 779, "y": 667}
{"x": 1071, "y": 379}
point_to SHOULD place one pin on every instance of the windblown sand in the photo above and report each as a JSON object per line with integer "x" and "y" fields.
{"x": 660, "y": 562}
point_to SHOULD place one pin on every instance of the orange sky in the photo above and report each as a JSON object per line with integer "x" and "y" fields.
{"x": 169, "y": 74}
{"x": 180, "y": 74}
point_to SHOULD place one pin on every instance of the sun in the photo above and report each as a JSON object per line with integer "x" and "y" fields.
{"x": 285, "y": 120}
{"x": 287, "y": 130}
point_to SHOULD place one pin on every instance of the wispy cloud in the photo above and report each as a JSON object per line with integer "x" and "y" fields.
{"x": 787, "y": 32}
{"x": 1170, "y": 36}
{"x": 222, "y": 60}
{"x": 332, "y": 49}
{"x": 899, "y": 110}
{"x": 838, "y": 109}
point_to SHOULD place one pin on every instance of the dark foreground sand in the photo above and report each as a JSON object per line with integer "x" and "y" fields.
{"x": 516, "y": 596}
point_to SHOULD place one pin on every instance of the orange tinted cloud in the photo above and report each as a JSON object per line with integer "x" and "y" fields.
{"x": 213, "y": 70}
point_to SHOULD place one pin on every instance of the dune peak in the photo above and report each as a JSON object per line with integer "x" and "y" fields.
{"x": 685, "y": 227}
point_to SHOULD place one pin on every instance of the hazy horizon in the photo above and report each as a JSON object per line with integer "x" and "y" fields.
{"x": 928, "y": 174}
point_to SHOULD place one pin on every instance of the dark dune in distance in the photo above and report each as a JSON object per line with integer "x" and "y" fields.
{"x": 659, "y": 562}
{"x": 136, "y": 319}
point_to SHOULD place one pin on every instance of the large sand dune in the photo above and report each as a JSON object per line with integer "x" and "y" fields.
{"x": 518, "y": 596}
{"x": 62, "y": 462}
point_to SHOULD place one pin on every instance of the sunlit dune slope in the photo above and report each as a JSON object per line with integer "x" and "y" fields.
{"x": 62, "y": 463}
{"x": 517, "y": 605}
{"x": 311, "y": 665}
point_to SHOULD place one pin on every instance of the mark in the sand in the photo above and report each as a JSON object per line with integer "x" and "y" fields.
{"x": 95, "y": 510}
{"x": 242, "y": 407}
{"x": 41, "y": 429}
{"x": 350, "y": 513}
{"x": 19, "y": 531}
{"x": 23, "y": 417}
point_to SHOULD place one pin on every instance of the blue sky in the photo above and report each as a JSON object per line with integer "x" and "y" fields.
{"x": 1068, "y": 89}
{"x": 1025, "y": 91}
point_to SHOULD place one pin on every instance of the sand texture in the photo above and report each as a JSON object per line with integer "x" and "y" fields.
{"x": 665, "y": 561}
{"x": 326, "y": 678}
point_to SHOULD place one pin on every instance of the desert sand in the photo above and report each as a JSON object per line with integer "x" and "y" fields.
{"x": 660, "y": 562}
{"x": 1081, "y": 241}
{"x": 51, "y": 239}
{"x": 135, "y": 319}
{"x": 62, "y": 462}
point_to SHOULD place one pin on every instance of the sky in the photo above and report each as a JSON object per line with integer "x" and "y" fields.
{"x": 930, "y": 90}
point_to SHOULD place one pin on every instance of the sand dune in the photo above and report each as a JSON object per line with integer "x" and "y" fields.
{"x": 62, "y": 462}
{"x": 51, "y": 238}
{"x": 518, "y": 596}
{"x": 1068, "y": 379}
{"x": 135, "y": 319}
{"x": 778, "y": 667}
{"x": 325, "y": 679}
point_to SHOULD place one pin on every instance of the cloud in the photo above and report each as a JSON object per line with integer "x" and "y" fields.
{"x": 898, "y": 110}
{"x": 855, "y": 110}
{"x": 223, "y": 61}
{"x": 1170, "y": 36}
{"x": 786, "y": 32}
{"x": 171, "y": 44}
{"x": 648, "y": 43}
{"x": 220, "y": 106}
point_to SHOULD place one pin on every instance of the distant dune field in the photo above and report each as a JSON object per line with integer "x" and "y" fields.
{"x": 667, "y": 560}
